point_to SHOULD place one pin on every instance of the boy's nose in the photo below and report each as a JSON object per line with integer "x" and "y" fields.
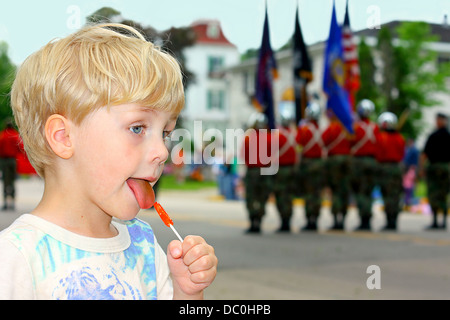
{"x": 158, "y": 152}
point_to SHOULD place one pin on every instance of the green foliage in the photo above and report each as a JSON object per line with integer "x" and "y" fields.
{"x": 7, "y": 72}
{"x": 104, "y": 14}
{"x": 168, "y": 182}
{"x": 386, "y": 51}
{"x": 173, "y": 40}
{"x": 415, "y": 79}
{"x": 250, "y": 53}
{"x": 368, "y": 88}
{"x": 409, "y": 71}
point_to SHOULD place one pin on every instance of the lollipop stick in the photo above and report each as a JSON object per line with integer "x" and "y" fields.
{"x": 166, "y": 219}
{"x": 176, "y": 233}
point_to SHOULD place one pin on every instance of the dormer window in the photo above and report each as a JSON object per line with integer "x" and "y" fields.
{"x": 212, "y": 31}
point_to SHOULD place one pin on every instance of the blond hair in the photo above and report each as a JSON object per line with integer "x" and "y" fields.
{"x": 95, "y": 67}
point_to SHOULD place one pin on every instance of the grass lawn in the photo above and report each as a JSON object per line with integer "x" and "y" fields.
{"x": 167, "y": 182}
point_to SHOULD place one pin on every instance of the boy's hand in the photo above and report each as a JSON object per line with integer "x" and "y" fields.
{"x": 193, "y": 265}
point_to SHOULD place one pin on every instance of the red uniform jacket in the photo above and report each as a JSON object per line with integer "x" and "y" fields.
{"x": 310, "y": 138}
{"x": 11, "y": 146}
{"x": 390, "y": 147}
{"x": 9, "y": 143}
{"x": 287, "y": 154}
{"x": 336, "y": 140}
{"x": 257, "y": 148}
{"x": 364, "y": 143}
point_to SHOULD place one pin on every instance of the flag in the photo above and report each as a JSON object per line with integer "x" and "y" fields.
{"x": 351, "y": 63}
{"x": 302, "y": 70}
{"x": 265, "y": 74}
{"x": 334, "y": 78}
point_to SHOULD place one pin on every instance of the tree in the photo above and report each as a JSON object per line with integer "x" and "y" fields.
{"x": 105, "y": 14}
{"x": 251, "y": 53}
{"x": 387, "y": 86}
{"x": 410, "y": 74}
{"x": 368, "y": 88}
{"x": 7, "y": 73}
{"x": 173, "y": 40}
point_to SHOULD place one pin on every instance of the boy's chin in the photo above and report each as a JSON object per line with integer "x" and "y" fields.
{"x": 129, "y": 213}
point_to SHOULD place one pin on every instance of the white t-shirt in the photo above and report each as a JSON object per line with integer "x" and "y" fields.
{"x": 40, "y": 260}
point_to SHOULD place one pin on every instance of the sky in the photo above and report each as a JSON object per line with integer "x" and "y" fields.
{"x": 27, "y": 25}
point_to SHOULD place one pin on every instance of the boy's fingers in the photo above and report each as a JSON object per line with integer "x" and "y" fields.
{"x": 203, "y": 277}
{"x": 203, "y": 264}
{"x": 191, "y": 241}
{"x": 199, "y": 252}
{"x": 175, "y": 249}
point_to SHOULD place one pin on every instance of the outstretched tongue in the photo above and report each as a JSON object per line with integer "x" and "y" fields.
{"x": 143, "y": 192}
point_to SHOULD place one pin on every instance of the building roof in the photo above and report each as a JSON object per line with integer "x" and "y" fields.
{"x": 440, "y": 30}
{"x": 210, "y": 32}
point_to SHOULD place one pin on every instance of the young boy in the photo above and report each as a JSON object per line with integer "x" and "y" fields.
{"x": 93, "y": 110}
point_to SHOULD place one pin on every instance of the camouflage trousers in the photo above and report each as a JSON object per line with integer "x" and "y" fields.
{"x": 8, "y": 167}
{"x": 284, "y": 190}
{"x": 362, "y": 181}
{"x": 257, "y": 191}
{"x": 310, "y": 184}
{"x": 390, "y": 182}
{"x": 438, "y": 186}
{"x": 338, "y": 180}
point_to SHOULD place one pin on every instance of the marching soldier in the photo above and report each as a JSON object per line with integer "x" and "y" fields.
{"x": 335, "y": 138}
{"x": 437, "y": 155}
{"x": 258, "y": 187}
{"x": 284, "y": 184}
{"x": 363, "y": 162}
{"x": 311, "y": 177}
{"x": 390, "y": 152}
{"x": 9, "y": 150}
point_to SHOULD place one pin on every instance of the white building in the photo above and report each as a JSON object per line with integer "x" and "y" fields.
{"x": 207, "y": 98}
{"x": 220, "y": 96}
{"x": 240, "y": 78}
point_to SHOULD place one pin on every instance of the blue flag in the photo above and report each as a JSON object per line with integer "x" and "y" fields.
{"x": 266, "y": 73}
{"x": 334, "y": 76}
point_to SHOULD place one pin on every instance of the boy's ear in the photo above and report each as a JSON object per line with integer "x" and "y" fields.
{"x": 57, "y": 133}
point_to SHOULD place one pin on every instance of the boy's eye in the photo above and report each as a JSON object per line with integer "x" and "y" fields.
{"x": 166, "y": 134}
{"x": 137, "y": 129}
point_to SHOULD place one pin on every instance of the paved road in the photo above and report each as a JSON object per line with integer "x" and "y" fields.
{"x": 413, "y": 263}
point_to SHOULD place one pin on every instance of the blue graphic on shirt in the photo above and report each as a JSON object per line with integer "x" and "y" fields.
{"x": 85, "y": 284}
{"x": 71, "y": 273}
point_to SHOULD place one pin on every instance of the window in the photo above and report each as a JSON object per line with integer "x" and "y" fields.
{"x": 245, "y": 81}
{"x": 248, "y": 81}
{"x": 212, "y": 30}
{"x": 214, "y": 65}
{"x": 216, "y": 100}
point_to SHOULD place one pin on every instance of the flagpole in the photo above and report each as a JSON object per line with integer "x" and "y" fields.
{"x": 301, "y": 68}
{"x": 303, "y": 94}
{"x": 266, "y": 73}
{"x": 304, "y": 99}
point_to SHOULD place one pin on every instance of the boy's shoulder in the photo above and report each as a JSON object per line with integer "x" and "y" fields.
{"x": 135, "y": 223}
{"x": 28, "y": 230}
{"x": 137, "y": 227}
{"x": 19, "y": 229}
